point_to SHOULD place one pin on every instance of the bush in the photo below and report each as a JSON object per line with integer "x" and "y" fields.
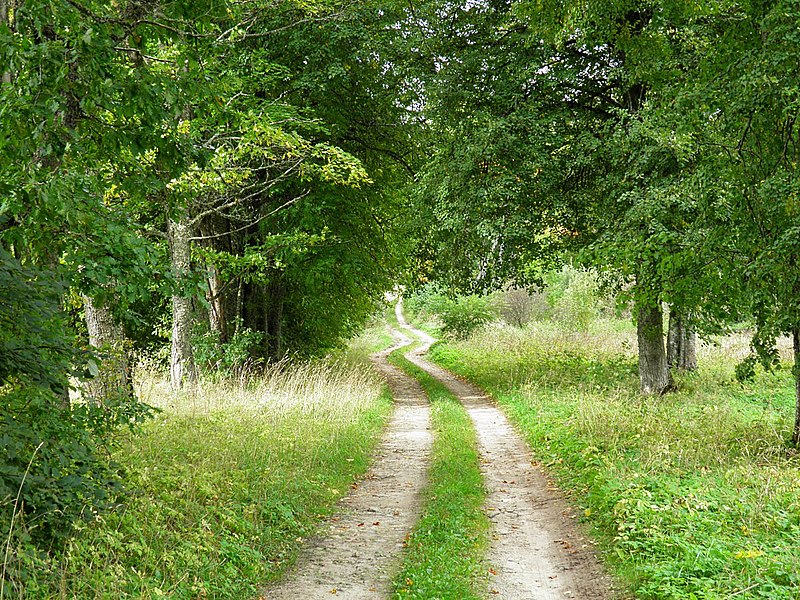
{"x": 426, "y": 301}
{"x": 241, "y": 351}
{"x": 574, "y": 295}
{"x": 458, "y": 317}
{"x": 521, "y": 306}
{"x": 464, "y": 315}
{"x": 53, "y": 466}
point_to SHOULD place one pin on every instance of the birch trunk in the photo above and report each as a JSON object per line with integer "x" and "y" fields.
{"x": 182, "y": 367}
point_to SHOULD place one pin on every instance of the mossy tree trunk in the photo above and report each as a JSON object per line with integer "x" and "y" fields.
{"x": 654, "y": 374}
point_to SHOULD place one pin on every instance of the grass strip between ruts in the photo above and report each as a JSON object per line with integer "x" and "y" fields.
{"x": 445, "y": 552}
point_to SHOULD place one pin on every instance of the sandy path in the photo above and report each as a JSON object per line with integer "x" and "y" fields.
{"x": 537, "y": 550}
{"x": 357, "y": 554}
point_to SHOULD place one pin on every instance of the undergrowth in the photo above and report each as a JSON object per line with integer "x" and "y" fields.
{"x": 445, "y": 552}
{"x": 693, "y": 495}
{"x": 225, "y": 484}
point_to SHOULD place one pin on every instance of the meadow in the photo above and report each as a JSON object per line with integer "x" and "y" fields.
{"x": 693, "y": 495}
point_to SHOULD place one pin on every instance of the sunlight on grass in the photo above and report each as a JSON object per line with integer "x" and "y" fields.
{"x": 225, "y": 483}
{"x": 693, "y": 495}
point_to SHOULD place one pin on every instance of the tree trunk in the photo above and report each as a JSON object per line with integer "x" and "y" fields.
{"x": 217, "y": 313}
{"x": 182, "y": 368}
{"x": 107, "y": 336}
{"x": 5, "y": 6}
{"x": 796, "y": 344}
{"x": 276, "y": 293}
{"x": 654, "y": 375}
{"x": 681, "y": 343}
{"x": 221, "y": 295}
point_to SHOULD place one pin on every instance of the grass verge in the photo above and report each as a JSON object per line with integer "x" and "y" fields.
{"x": 693, "y": 495}
{"x": 226, "y": 484}
{"x": 445, "y": 552}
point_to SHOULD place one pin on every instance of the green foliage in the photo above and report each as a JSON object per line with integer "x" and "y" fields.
{"x": 53, "y": 468}
{"x": 464, "y": 315}
{"x": 115, "y": 118}
{"x": 227, "y": 359}
{"x": 693, "y": 496}
{"x": 445, "y": 552}
{"x": 70, "y": 478}
{"x": 459, "y": 316}
{"x": 34, "y": 347}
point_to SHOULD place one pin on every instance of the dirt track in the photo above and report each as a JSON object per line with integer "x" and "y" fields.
{"x": 537, "y": 552}
{"x": 359, "y": 552}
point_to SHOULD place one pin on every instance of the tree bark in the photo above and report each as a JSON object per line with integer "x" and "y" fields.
{"x": 5, "y": 13}
{"x": 796, "y": 344}
{"x": 182, "y": 367}
{"x": 654, "y": 375}
{"x": 217, "y": 313}
{"x": 107, "y": 336}
{"x": 276, "y": 293}
{"x": 681, "y": 343}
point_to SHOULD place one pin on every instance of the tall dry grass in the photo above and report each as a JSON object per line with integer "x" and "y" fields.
{"x": 224, "y": 483}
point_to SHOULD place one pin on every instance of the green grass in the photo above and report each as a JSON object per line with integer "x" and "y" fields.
{"x": 693, "y": 495}
{"x": 445, "y": 553}
{"x": 225, "y": 485}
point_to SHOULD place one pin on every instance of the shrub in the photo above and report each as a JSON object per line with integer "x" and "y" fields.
{"x": 574, "y": 295}
{"x": 463, "y": 315}
{"x": 54, "y": 470}
{"x": 520, "y": 306}
{"x": 227, "y": 358}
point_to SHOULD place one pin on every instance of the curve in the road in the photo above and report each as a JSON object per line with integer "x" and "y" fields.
{"x": 537, "y": 552}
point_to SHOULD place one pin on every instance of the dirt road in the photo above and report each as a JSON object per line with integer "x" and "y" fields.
{"x": 537, "y": 551}
{"x": 359, "y": 551}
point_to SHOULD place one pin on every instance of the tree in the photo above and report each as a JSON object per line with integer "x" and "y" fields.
{"x": 748, "y": 152}
{"x": 539, "y": 109}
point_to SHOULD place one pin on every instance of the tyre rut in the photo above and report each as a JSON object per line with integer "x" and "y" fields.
{"x": 358, "y": 552}
{"x": 537, "y": 552}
